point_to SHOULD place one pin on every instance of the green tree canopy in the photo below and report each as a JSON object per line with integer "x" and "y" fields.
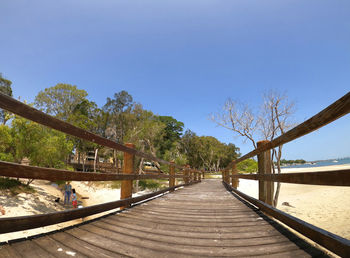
{"x": 43, "y": 146}
{"x": 5, "y": 88}
{"x": 60, "y": 100}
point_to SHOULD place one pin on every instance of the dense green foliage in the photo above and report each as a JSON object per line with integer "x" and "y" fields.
{"x": 248, "y": 165}
{"x": 120, "y": 119}
{"x": 14, "y": 186}
{"x": 149, "y": 184}
{"x": 5, "y": 88}
{"x": 290, "y": 162}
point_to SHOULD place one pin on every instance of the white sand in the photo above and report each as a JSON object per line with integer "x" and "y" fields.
{"x": 42, "y": 202}
{"x": 327, "y": 207}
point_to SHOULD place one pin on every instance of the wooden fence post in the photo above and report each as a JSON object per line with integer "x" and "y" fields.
{"x": 171, "y": 175}
{"x": 128, "y": 168}
{"x": 266, "y": 189}
{"x": 225, "y": 177}
{"x": 186, "y": 174}
{"x": 235, "y": 181}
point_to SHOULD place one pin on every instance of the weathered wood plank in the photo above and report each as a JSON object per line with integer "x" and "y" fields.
{"x": 218, "y": 229}
{"x": 332, "y": 242}
{"x": 13, "y": 224}
{"x": 331, "y": 178}
{"x": 58, "y": 249}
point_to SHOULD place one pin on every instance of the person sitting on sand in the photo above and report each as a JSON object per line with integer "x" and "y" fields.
{"x": 74, "y": 199}
{"x": 67, "y": 192}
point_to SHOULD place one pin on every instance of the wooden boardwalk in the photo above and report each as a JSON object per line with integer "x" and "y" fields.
{"x": 200, "y": 220}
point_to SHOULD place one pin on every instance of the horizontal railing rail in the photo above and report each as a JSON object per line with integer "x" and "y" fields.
{"x": 334, "y": 111}
{"x": 329, "y": 178}
{"x": 188, "y": 175}
{"x": 19, "y": 223}
{"x": 332, "y": 242}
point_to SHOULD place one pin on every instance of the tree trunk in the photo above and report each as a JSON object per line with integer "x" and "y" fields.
{"x": 115, "y": 158}
{"x": 278, "y": 158}
{"x": 83, "y": 162}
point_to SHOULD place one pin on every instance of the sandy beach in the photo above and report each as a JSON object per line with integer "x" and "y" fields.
{"x": 324, "y": 206}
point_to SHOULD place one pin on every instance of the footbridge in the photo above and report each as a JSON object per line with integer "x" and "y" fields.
{"x": 194, "y": 216}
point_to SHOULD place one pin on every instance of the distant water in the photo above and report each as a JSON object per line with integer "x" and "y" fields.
{"x": 322, "y": 163}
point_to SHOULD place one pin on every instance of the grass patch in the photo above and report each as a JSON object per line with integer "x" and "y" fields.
{"x": 14, "y": 186}
{"x": 149, "y": 184}
{"x": 116, "y": 184}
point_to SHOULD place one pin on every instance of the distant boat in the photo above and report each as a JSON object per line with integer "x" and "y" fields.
{"x": 335, "y": 161}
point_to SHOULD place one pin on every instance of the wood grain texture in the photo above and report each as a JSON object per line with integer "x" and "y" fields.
{"x": 330, "y": 178}
{"x": 330, "y": 241}
{"x": 12, "y": 224}
{"x": 202, "y": 220}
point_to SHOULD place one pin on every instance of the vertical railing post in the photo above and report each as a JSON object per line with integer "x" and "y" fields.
{"x": 266, "y": 189}
{"x": 171, "y": 175}
{"x": 186, "y": 174}
{"x": 128, "y": 168}
{"x": 224, "y": 176}
{"x": 191, "y": 175}
{"x": 235, "y": 181}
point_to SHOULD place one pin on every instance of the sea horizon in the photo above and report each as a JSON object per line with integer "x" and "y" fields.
{"x": 321, "y": 163}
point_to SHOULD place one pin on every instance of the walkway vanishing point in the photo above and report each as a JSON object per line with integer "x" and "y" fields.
{"x": 203, "y": 219}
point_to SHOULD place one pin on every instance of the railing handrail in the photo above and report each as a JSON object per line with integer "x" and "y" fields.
{"x": 339, "y": 177}
{"x": 13, "y": 224}
{"x": 332, "y": 242}
{"x": 331, "y": 113}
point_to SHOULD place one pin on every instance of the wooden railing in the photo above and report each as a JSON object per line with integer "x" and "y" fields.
{"x": 7, "y": 169}
{"x": 332, "y": 242}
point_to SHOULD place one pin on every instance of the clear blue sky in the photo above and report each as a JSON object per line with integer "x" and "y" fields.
{"x": 185, "y": 58}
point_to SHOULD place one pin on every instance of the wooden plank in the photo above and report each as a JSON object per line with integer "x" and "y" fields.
{"x": 13, "y": 224}
{"x": 330, "y": 178}
{"x": 128, "y": 168}
{"x": 80, "y": 247}
{"x": 154, "y": 229}
{"x": 171, "y": 174}
{"x": 330, "y": 241}
{"x": 31, "y": 249}
{"x": 22, "y": 171}
{"x": 137, "y": 232}
{"x": 58, "y": 249}
{"x": 334, "y": 111}
{"x": 189, "y": 249}
{"x": 186, "y": 240}
{"x": 7, "y": 251}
